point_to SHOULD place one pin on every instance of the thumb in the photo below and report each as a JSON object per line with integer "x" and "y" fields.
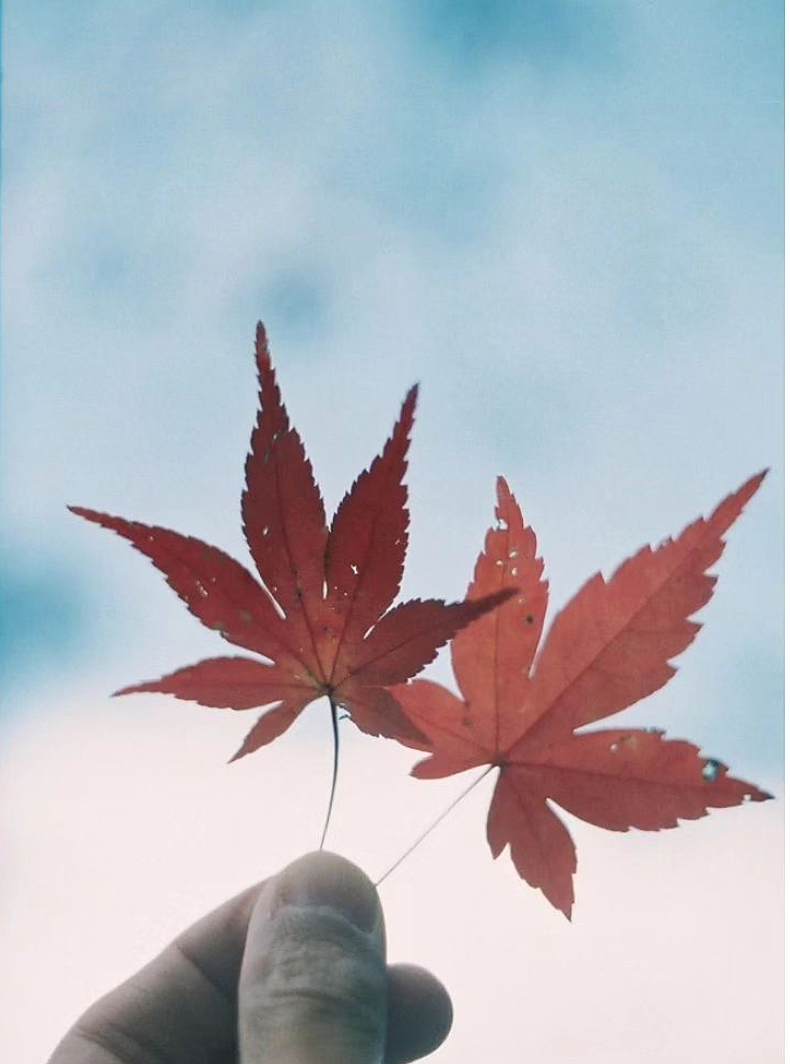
{"x": 313, "y": 982}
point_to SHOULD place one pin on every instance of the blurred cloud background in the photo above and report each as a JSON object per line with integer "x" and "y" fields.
{"x": 565, "y": 220}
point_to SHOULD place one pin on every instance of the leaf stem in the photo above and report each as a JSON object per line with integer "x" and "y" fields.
{"x": 335, "y": 760}
{"x": 434, "y": 824}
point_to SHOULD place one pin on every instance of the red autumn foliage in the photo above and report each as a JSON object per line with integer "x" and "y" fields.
{"x": 320, "y": 616}
{"x": 608, "y": 648}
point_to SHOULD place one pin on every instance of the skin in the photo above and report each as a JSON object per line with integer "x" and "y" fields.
{"x": 291, "y": 971}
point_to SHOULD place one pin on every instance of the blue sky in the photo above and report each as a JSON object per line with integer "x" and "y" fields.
{"x": 565, "y": 222}
{"x": 563, "y": 219}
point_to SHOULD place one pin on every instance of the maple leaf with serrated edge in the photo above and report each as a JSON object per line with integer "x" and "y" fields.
{"x": 321, "y": 616}
{"x": 608, "y": 648}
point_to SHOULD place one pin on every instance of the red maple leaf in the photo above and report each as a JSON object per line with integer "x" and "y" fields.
{"x": 608, "y": 648}
{"x": 320, "y": 618}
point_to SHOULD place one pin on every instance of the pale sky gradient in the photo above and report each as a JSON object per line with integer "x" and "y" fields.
{"x": 567, "y": 225}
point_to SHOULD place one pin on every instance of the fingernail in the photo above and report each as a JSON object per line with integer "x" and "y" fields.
{"x": 331, "y": 881}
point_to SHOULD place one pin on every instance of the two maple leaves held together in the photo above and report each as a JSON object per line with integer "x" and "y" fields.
{"x": 322, "y": 622}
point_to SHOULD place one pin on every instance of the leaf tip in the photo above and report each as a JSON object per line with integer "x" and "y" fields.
{"x": 502, "y": 488}
{"x": 750, "y": 486}
{"x": 82, "y": 511}
{"x": 418, "y": 771}
{"x": 129, "y": 690}
{"x": 406, "y": 418}
{"x": 262, "y": 354}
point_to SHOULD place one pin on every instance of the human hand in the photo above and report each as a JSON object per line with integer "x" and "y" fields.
{"x": 291, "y": 971}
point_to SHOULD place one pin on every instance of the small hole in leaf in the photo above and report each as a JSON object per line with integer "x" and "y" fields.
{"x": 747, "y": 797}
{"x": 354, "y": 569}
{"x": 711, "y": 770}
{"x": 514, "y": 571}
{"x": 614, "y": 747}
{"x": 513, "y": 554}
{"x": 499, "y": 562}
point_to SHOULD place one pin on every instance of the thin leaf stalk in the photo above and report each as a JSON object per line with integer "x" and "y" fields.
{"x": 434, "y": 824}
{"x": 335, "y": 762}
